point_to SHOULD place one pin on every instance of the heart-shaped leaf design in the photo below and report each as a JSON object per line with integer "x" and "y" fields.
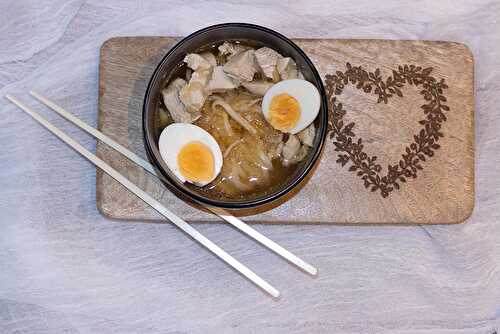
{"x": 425, "y": 142}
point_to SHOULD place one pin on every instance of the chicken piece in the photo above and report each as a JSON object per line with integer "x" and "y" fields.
{"x": 257, "y": 87}
{"x": 298, "y": 157}
{"x": 273, "y": 145}
{"x": 194, "y": 94}
{"x": 197, "y": 62}
{"x": 220, "y": 81}
{"x": 292, "y": 152}
{"x": 306, "y": 136}
{"x": 267, "y": 59}
{"x": 287, "y": 68}
{"x": 242, "y": 66}
{"x": 201, "y": 76}
{"x": 174, "y": 105}
{"x": 279, "y": 149}
{"x": 231, "y": 49}
{"x": 209, "y": 56}
{"x": 276, "y": 138}
{"x": 291, "y": 147}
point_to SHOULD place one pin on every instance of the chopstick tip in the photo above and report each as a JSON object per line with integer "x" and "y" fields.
{"x": 306, "y": 267}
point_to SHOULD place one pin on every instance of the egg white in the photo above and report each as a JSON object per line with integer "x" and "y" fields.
{"x": 175, "y": 136}
{"x": 304, "y": 92}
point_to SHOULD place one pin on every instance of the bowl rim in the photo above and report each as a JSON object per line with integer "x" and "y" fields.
{"x": 245, "y": 204}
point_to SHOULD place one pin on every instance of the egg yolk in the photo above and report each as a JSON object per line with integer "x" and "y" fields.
{"x": 196, "y": 162}
{"x": 284, "y": 112}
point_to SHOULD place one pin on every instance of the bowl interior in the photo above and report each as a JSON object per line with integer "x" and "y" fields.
{"x": 172, "y": 66}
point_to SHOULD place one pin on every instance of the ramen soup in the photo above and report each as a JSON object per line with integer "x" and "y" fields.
{"x": 237, "y": 121}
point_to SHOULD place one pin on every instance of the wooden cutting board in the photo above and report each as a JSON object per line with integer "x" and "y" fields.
{"x": 400, "y": 147}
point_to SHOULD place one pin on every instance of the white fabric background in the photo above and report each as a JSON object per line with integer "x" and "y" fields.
{"x": 66, "y": 269}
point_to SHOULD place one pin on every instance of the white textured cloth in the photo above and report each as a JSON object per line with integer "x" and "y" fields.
{"x": 66, "y": 269}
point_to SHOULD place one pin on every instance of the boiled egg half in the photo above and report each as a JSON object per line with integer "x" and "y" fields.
{"x": 191, "y": 153}
{"x": 291, "y": 105}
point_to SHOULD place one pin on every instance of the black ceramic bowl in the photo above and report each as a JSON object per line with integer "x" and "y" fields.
{"x": 169, "y": 69}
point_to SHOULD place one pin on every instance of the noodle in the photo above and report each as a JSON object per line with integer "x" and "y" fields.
{"x": 233, "y": 145}
{"x": 251, "y": 104}
{"x": 227, "y": 126}
{"x": 239, "y": 119}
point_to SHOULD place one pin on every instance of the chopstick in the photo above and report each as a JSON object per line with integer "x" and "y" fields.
{"x": 180, "y": 223}
{"x": 239, "y": 224}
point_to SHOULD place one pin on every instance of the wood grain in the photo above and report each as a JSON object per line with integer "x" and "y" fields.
{"x": 443, "y": 191}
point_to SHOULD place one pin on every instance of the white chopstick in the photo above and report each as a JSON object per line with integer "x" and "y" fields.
{"x": 148, "y": 167}
{"x": 181, "y": 224}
